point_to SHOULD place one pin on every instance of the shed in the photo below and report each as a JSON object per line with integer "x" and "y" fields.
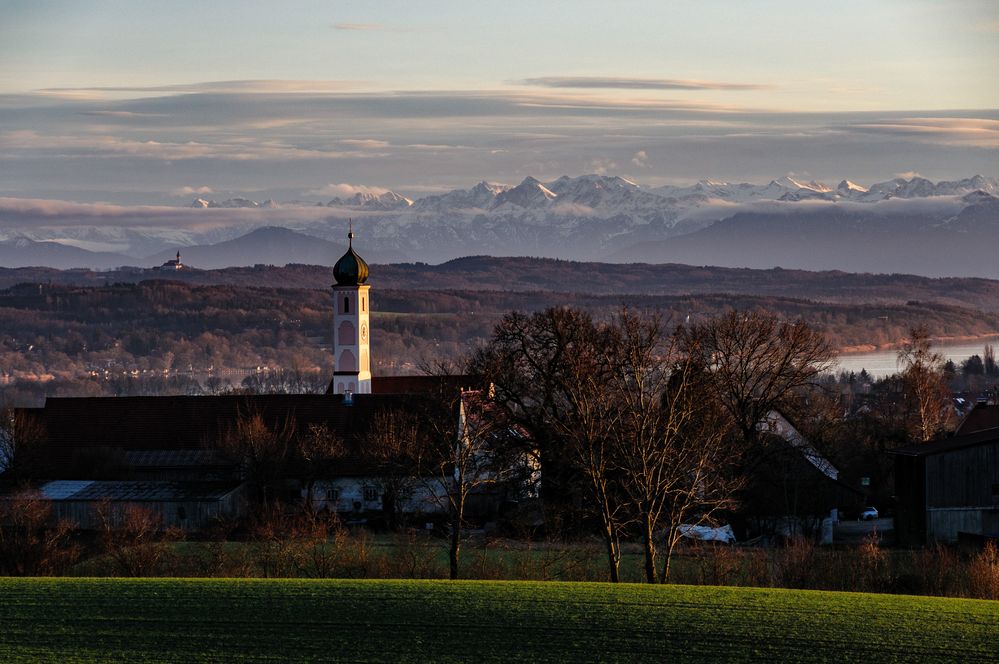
{"x": 947, "y": 487}
{"x": 191, "y": 506}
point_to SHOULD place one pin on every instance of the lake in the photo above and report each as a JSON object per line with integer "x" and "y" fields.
{"x": 881, "y": 363}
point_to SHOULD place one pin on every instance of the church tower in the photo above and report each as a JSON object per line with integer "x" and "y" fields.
{"x": 351, "y": 343}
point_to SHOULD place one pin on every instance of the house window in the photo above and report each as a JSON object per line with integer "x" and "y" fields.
{"x": 370, "y": 494}
{"x": 332, "y": 495}
{"x": 181, "y": 513}
{"x": 346, "y": 305}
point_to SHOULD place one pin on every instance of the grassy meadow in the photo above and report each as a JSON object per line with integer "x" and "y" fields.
{"x": 207, "y": 620}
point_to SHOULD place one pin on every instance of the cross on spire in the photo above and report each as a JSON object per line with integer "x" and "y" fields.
{"x": 350, "y": 233}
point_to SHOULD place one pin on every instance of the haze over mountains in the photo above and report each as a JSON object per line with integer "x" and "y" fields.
{"x": 912, "y": 225}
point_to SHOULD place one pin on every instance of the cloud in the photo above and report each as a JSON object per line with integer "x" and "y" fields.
{"x": 29, "y": 214}
{"x": 257, "y": 86}
{"x": 900, "y": 207}
{"x": 192, "y": 191}
{"x": 364, "y": 143}
{"x": 907, "y": 175}
{"x": 344, "y": 190}
{"x": 28, "y": 143}
{"x": 371, "y": 27}
{"x": 640, "y": 159}
{"x": 361, "y": 27}
{"x": 602, "y": 166}
{"x": 637, "y": 83}
{"x": 123, "y": 114}
{"x": 572, "y": 210}
{"x": 977, "y": 132}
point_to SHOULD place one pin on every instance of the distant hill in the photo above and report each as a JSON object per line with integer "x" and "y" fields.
{"x": 845, "y": 239}
{"x": 22, "y": 252}
{"x": 485, "y": 273}
{"x": 270, "y": 245}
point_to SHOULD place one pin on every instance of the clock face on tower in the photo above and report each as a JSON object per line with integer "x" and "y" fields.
{"x": 364, "y": 332}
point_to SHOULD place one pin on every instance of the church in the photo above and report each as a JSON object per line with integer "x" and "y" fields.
{"x": 162, "y": 452}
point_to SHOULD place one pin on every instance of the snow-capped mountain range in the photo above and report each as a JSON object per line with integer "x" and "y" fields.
{"x": 607, "y": 192}
{"x": 948, "y": 227}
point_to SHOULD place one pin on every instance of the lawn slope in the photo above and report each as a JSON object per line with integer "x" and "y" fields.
{"x": 170, "y": 620}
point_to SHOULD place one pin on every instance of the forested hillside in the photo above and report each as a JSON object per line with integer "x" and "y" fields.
{"x": 168, "y": 336}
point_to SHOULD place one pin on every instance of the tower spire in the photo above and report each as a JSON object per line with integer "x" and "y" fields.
{"x": 350, "y": 233}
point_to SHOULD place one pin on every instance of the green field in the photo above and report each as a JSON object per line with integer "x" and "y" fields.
{"x": 175, "y": 620}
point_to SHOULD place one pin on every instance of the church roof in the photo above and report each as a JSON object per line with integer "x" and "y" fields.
{"x": 350, "y": 270}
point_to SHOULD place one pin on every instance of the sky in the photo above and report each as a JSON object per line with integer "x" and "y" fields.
{"x": 156, "y": 103}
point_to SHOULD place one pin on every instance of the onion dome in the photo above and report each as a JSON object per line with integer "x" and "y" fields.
{"x": 350, "y": 270}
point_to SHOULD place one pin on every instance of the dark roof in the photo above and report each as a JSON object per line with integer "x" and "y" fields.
{"x": 155, "y": 424}
{"x": 174, "y": 459}
{"x": 425, "y": 385}
{"x": 948, "y": 444}
{"x": 132, "y": 491}
{"x": 982, "y": 417}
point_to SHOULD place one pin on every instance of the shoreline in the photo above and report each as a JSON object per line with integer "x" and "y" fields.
{"x": 864, "y": 349}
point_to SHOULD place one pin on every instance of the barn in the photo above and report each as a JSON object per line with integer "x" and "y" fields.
{"x": 947, "y": 488}
{"x": 189, "y": 506}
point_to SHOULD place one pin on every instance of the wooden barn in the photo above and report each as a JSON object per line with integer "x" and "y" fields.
{"x": 948, "y": 487}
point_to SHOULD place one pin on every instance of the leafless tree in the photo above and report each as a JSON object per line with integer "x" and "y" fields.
{"x": 669, "y": 437}
{"x": 458, "y": 457}
{"x": 591, "y": 419}
{"x": 317, "y": 453}
{"x": 261, "y": 450}
{"x": 923, "y": 376}
{"x": 134, "y": 538}
{"x": 32, "y": 543}
{"x": 391, "y": 444}
{"x": 530, "y": 361}
{"x": 21, "y": 445}
{"x": 758, "y": 363}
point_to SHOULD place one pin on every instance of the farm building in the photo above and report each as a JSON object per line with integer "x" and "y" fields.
{"x": 792, "y": 488}
{"x": 948, "y": 487}
{"x": 186, "y": 505}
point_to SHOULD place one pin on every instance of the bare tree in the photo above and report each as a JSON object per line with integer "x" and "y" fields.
{"x": 317, "y": 454}
{"x": 392, "y": 443}
{"x": 458, "y": 457}
{"x": 529, "y": 361}
{"x": 21, "y": 445}
{"x": 669, "y": 438}
{"x": 134, "y": 538}
{"x": 758, "y": 363}
{"x": 32, "y": 543}
{"x": 923, "y": 376}
{"x": 592, "y": 417}
{"x": 261, "y": 450}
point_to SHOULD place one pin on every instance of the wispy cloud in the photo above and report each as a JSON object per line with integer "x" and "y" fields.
{"x": 621, "y": 82}
{"x": 372, "y": 27}
{"x": 259, "y": 86}
{"x": 192, "y": 191}
{"x": 344, "y": 190}
{"x": 360, "y": 27}
{"x": 27, "y": 143}
{"x": 640, "y": 159}
{"x": 979, "y": 132}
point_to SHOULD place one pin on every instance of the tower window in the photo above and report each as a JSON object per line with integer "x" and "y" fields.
{"x": 364, "y": 304}
{"x": 346, "y": 305}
